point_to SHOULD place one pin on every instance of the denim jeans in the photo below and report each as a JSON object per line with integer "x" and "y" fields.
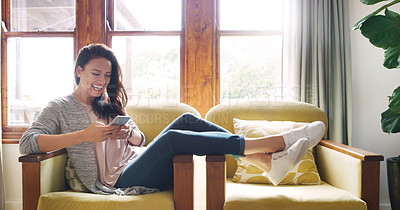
{"x": 187, "y": 134}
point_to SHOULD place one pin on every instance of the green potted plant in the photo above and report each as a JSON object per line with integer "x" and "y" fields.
{"x": 383, "y": 31}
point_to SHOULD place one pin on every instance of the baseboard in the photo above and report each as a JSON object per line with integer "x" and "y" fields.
{"x": 14, "y": 205}
{"x": 385, "y": 206}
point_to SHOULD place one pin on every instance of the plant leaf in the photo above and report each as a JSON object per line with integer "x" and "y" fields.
{"x": 390, "y": 122}
{"x": 371, "y": 2}
{"x": 382, "y": 31}
{"x": 394, "y": 101}
{"x": 392, "y": 57}
{"x": 390, "y": 13}
{"x": 398, "y": 161}
{"x": 360, "y": 22}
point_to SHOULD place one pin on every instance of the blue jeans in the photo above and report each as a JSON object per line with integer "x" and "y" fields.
{"x": 187, "y": 134}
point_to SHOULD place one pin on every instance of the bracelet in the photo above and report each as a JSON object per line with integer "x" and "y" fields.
{"x": 131, "y": 133}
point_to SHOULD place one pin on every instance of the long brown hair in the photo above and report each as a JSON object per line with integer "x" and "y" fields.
{"x": 112, "y": 102}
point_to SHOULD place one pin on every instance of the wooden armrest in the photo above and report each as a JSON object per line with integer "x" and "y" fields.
{"x": 352, "y": 151}
{"x": 216, "y": 177}
{"x": 370, "y": 170}
{"x": 31, "y": 186}
{"x": 183, "y": 182}
{"x": 41, "y": 156}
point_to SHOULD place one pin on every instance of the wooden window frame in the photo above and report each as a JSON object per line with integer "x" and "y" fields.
{"x": 199, "y": 52}
{"x": 230, "y": 33}
{"x": 12, "y": 134}
{"x": 198, "y": 73}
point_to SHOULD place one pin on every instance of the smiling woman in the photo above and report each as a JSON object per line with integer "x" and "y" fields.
{"x": 93, "y": 79}
{"x": 97, "y": 70}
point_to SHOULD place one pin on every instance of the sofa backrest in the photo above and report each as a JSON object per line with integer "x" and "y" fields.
{"x": 153, "y": 116}
{"x": 270, "y": 110}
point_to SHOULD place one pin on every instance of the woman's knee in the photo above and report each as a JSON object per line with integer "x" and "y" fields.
{"x": 188, "y": 115}
{"x": 188, "y": 118}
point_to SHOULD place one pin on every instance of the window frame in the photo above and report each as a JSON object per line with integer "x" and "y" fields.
{"x": 131, "y": 33}
{"x": 11, "y": 134}
{"x": 199, "y": 50}
{"x": 230, "y": 33}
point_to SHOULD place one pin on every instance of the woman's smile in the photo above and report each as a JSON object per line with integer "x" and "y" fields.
{"x": 94, "y": 78}
{"x": 97, "y": 88}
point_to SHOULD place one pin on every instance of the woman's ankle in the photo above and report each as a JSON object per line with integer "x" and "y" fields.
{"x": 260, "y": 160}
{"x": 269, "y": 144}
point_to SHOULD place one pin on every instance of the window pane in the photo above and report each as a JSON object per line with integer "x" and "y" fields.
{"x": 148, "y": 15}
{"x": 39, "y": 70}
{"x": 150, "y": 66}
{"x": 55, "y": 15}
{"x": 251, "y": 14}
{"x": 250, "y": 67}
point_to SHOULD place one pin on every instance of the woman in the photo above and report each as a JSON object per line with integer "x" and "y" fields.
{"x": 110, "y": 159}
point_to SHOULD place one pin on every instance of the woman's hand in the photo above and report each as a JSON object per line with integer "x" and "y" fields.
{"x": 98, "y": 132}
{"x": 127, "y": 132}
{"x": 124, "y": 132}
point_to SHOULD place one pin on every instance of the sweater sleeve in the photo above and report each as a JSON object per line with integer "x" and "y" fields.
{"x": 46, "y": 123}
{"x": 136, "y": 129}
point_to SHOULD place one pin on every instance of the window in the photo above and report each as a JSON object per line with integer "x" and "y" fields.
{"x": 38, "y": 49}
{"x": 196, "y": 52}
{"x": 250, "y": 49}
{"x": 37, "y": 75}
{"x": 147, "y": 44}
{"x": 150, "y": 66}
{"x": 42, "y": 15}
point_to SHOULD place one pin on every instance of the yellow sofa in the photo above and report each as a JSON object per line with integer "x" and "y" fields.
{"x": 45, "y": 187}
{"x": 350, "y": 176}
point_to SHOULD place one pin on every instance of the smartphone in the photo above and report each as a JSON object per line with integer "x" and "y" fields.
{"x": 120, "y": 120}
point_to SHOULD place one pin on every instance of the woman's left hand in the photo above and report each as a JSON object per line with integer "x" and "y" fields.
{"x": 124, "y": 132}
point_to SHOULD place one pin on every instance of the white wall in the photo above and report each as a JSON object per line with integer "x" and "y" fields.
{"x": 12, "y": 177}
{"x": 372, "y": 83}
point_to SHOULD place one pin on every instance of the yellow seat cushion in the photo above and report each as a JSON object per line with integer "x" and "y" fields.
{"x": 90, "y": 201}
{"x": 241, "y": 196}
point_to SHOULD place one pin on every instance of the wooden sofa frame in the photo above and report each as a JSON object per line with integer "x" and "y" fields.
{"x": 31, "y": 178}
{"x": 370, "y": 170}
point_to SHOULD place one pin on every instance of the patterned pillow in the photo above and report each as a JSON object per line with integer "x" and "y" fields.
{"x": 305, "y": 172}
{"x": 72, "y": 178}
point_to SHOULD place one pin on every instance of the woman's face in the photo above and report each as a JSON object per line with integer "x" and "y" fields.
{"x": 94, "y": 77}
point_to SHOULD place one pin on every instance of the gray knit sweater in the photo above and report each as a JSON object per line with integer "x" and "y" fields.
{"x": 66, "y": 115}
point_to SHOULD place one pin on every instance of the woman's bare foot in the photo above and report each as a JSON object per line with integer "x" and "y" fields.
{"x": 260, "y": 160}
{"x": 268, "y": 144}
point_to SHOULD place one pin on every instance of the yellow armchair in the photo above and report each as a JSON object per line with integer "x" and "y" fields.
{"x": 350, "y": 176}
{"x": 45, "y": 187}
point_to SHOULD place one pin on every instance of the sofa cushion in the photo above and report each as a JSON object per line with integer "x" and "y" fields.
{"x": 153, "y": 116}
{"x": 305, "y": 172}
{"x": 72, "y": 177}
{"x": 90, "y": 201}
{"x": 300, "y": 197}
